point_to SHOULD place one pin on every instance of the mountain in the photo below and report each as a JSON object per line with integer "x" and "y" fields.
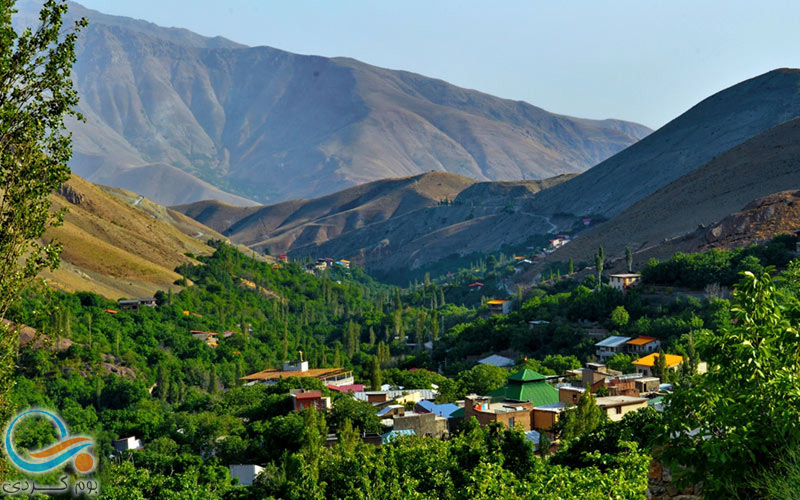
{"x": 763, "y": 165}
{"x": 119, "y": 244}
{"x": 709, "y": 129}
{"x": 270, "y": 125}
{"x": 388, "y": 224}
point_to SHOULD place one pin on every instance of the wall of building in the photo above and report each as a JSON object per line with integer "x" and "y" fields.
{"x": 423, "y": 424}
{"x": 623, "y": 410}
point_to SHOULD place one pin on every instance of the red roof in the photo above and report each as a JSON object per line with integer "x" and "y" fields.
{"x": 477, "y": 283}
{"x": 308, "y": 395}
{"x": 110, "y": 311}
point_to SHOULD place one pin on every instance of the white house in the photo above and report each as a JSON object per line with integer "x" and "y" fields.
{"x": 245, "y": 473}
{"x": 624, "y": 281}
{"x": 610, "y": 346}
{"x": 128, "y": 443}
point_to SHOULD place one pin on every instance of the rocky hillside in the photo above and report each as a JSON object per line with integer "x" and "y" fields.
{"x": 765, "y": 164}
{"x": 388, "y": 224}
{"x": 712, "y": 127}
{"x": 270, "y": 125}
{"x": 119, "y": 244}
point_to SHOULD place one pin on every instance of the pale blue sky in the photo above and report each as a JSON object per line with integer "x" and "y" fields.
{"x": 646, "y": 61}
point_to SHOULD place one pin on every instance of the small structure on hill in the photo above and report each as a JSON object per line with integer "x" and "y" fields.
{"x": 499, "y": 307}
{"x": 135, "y": 304}
{"x": 302, "y": 399}
{"x": 245, "y": 473}
{"x": 329, "y": 376}
{"x": 624, "y": 281}
{"x": 643, "y": 345}
{"x": 610, "y": 346}
{"x": 128, "y": 443}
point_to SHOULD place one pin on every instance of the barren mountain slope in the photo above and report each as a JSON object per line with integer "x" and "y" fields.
{"x": 271, "y": 125}
{"x": 390, "y": 223}
{"x": 116, "y": 249}
{"x": 765, "y": 164}
{"x": 709, "y": 129}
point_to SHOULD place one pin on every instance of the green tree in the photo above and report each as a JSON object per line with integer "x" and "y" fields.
{"x": 741, "y": 417}
{"x": 621, "y": 362}
{"x": 629, "y": 259}
{"x": 599, "y": 260}
{"x": 37, "y": 94}
{"x": 482, "y": 379}
{"x": 619, "y": 317}
{"x": 584, "y": 417}
{"x": 375, "y": 373}
{"x": 571, "y": 266}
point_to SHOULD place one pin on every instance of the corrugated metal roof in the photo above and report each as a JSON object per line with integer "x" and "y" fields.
{"x": 612, "y": 341}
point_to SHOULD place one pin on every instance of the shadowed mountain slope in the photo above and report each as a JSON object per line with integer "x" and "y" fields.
{"x": 709, "y": 129}
{"x": 765, "y": 164}
{"x": 390, "y": 223}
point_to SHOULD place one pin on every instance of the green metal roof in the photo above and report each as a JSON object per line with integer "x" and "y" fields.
{"x": 540, "y": 393}
{"x": 525, "y": 375}
{"x": 458, "y": 413}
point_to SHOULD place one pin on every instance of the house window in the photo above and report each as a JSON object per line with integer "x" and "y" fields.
{"x": 511, "y": 422}
{"x": 619, "y": 410}
{"x": 575, "y": 398}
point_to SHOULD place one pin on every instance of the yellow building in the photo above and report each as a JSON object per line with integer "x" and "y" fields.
{"x": 645, "y": 365}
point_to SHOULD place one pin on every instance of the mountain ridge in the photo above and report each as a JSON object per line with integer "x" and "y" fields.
{"x": 270, "y": 125}
{"x": 710, "y": 128}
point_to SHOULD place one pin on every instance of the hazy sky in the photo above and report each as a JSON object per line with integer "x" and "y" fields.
{"x": 646, "y": 61}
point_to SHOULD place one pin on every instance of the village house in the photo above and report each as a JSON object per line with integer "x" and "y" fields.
{"x": 329, "y": 376}
{"x": 509, "y": 413}
{"x": 624, "y": 281}
{"x": 210, "y": 338}
{"x": 344, "y": 263}
{"x": 558, "y": 242}
{"x": 475, "y": 286}
{"x": 245, "y": 473}
{"x": 391, "y": 411}
{"x": 443, "y": 410}
{"x": 422, "y": 424}
{"x": 607, "y": 348}
{"x": 497, "y": 360}
{"x": 399, "y": 396}
{"x": 302, "y": 399}
{"x": 135, "y": 304}
{"x": 128, "y": 443}
{"x": 645, "y": 365}
{"x": 642, "y": 345}
{"x": 616, "y": 407}
{"x": 499, "y": 307}
{"x": 527, "y": 386}
{"x": 545, "y": 417}
{"x": 647, "y": 385}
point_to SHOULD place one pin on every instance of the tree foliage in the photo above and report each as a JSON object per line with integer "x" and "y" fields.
{"x": 36, "y": 94}
{"x": 741, "y": 416}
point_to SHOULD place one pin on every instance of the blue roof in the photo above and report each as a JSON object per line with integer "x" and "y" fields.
{"x": 533, "y": 436}
{"x": 443, "y": 410}
{"x": 612, "y": 341}
{"x": 391, "y": 435}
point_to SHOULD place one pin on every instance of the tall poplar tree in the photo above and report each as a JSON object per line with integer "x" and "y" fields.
{"x": 36, "y": 94}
